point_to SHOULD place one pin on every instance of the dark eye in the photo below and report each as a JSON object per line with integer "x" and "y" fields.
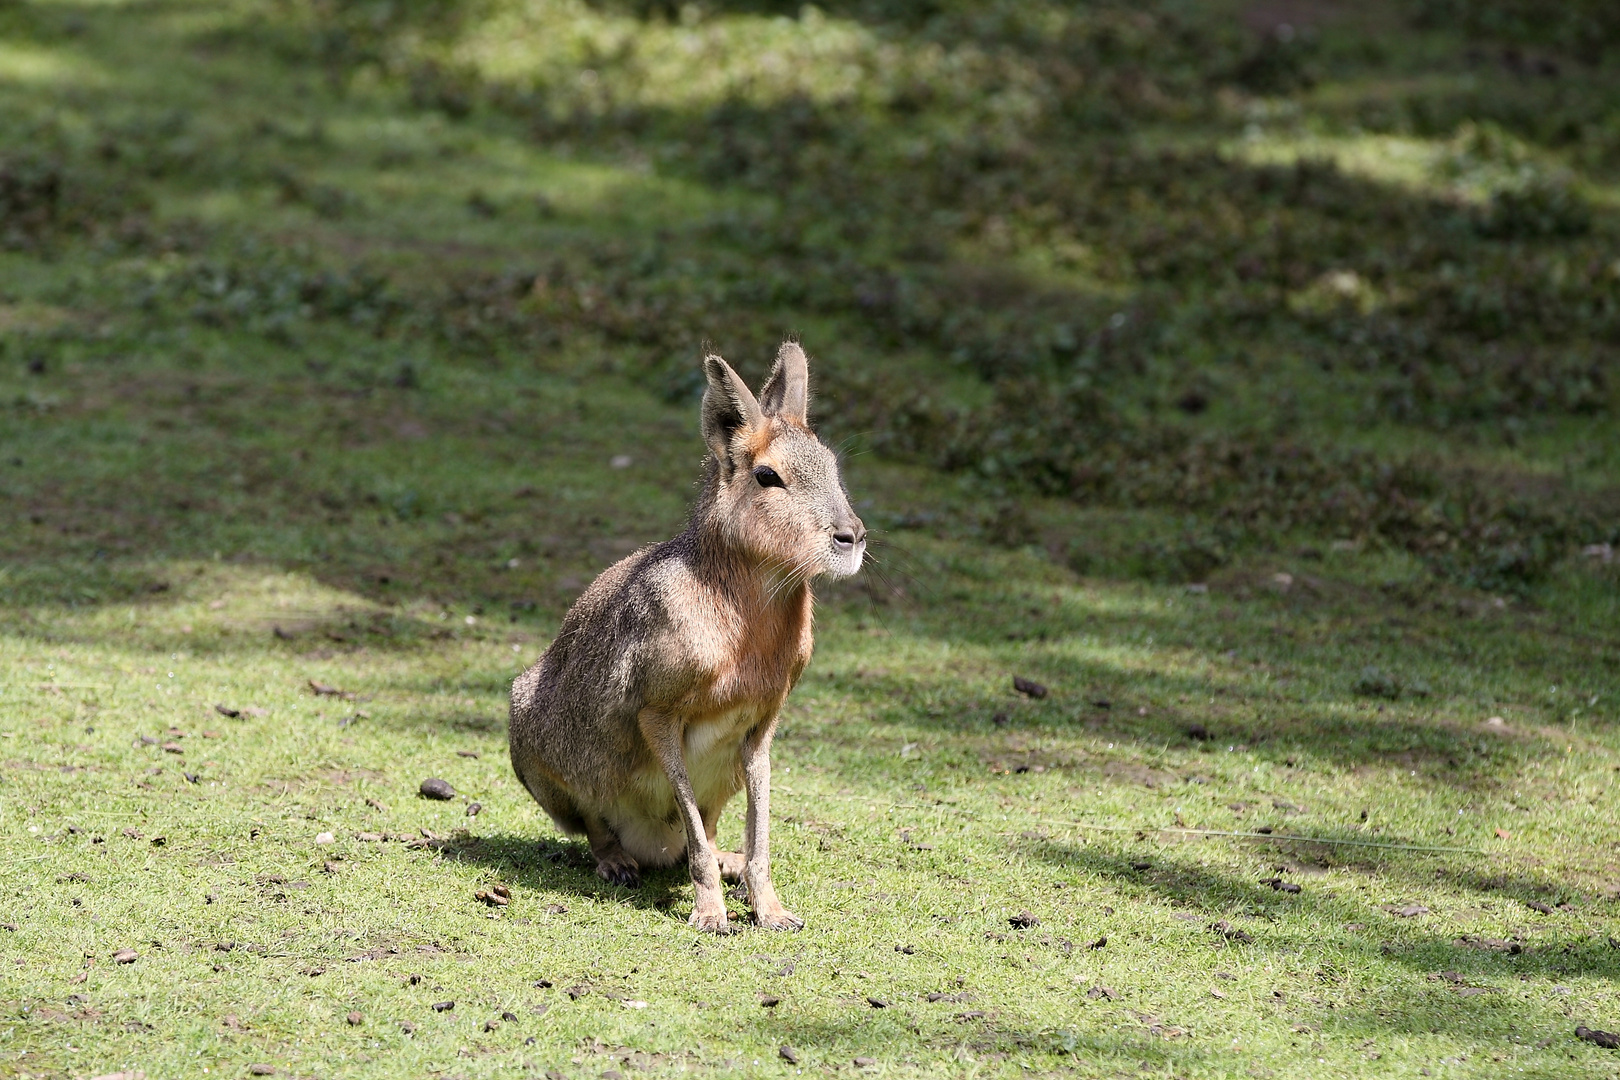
{"x": 767, "y": 477}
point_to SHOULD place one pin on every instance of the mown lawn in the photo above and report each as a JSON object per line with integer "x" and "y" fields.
{"x": 1246, "y": 377}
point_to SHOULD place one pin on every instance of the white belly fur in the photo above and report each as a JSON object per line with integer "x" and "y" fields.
{"x": 645, "y": 819}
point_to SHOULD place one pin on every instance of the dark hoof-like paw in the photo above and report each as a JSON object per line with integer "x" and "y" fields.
{"x": 620, "y": 872}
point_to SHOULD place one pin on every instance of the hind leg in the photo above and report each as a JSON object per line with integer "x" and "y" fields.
{"x": 731, "y": 862}
{"x": 613, "y": 864}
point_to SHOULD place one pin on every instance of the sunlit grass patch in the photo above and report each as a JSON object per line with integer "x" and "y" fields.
{"x": 33, "y": 66}
{"x": 677, "y": 64}
{"x": 1471, "y": 166}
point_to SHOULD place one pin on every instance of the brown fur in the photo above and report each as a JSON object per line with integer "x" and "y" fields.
{"x": 659, "y": 697}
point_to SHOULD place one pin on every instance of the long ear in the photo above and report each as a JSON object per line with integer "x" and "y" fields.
{"x": 728, "y": 406}
{"x": 787, "y": 392}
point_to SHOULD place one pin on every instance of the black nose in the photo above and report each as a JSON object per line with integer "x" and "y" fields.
{"x": 846, "y": 539}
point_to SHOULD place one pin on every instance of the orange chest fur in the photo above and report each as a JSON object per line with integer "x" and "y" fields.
{"x": 762, "y": 660}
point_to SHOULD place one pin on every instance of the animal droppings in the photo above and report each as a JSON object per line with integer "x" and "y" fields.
{"x": 1029, "y": 687}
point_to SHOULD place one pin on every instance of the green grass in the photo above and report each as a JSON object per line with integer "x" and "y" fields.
{"x": 1255, "y": 396}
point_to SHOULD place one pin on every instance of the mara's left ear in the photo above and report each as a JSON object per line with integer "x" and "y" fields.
{"x": 728, "y": 407}
{"x": 787, "y": 392}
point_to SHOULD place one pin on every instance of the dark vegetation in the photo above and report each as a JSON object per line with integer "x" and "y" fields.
{"x": 1126, "y": 321}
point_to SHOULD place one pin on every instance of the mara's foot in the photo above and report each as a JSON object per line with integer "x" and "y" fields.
{"x": 731, "y": 865}
{"x": 710, "y": 920}
{"x": 777, "y": 918}
{"x": 618, "y": 868}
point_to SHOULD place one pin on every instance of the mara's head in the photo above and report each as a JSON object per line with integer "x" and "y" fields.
{"x": 774, "y": 491}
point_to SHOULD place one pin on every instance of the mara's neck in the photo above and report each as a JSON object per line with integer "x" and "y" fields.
{"x": 756, "y": 586}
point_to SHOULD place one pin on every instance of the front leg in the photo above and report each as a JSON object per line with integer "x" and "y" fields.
{"x": 768, "y": 910}
{"x": 664, "y": 734}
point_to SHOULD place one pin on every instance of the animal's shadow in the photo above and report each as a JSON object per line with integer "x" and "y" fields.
{"x": 554, "y": 865}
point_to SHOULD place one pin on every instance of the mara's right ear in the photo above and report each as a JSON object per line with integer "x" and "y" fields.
{"x": 787, "y": 392}
{"x": 728, "y": 406}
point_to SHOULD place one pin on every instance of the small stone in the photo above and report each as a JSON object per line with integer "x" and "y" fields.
{"x": 262, "y": 1070}
{"x": 769, "y": 1001}
{"x": 1023, "y": 921}
{"x": 325, "y": 838}
{"x": 473, "y": 808}
{"x": 355, "y": 1019}
{"x": 788, "y": 1054}
{"x": 125, "y": 956}
{"x": 509, "y": 1017}
{"x": 443, "y": 1006}
{"x": 492, "y": 1025}
{"x": 864, "y": 1062}
{"x": 877, "y": 1003}
{"x": 434, "y": 788}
